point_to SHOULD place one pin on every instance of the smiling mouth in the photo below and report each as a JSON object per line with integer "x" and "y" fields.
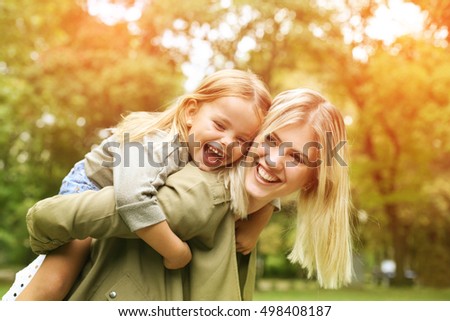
{"x": 213, "y": 156}
{"x": 266, "y": 176}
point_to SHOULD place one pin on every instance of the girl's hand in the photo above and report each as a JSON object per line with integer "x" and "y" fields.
{"x": 247, "y": 231}
{"x": 246, "y": 237}
{"x": 175, "y": 252}
{"x": 178, "y": 259}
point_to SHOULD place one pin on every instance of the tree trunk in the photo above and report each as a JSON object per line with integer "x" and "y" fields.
{"x": 398, "y": 242}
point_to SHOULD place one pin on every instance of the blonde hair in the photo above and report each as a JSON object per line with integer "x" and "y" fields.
{"x": 223, "y": 83}
{"x": 234, "y": 181}
{"x": 323, "y": 243}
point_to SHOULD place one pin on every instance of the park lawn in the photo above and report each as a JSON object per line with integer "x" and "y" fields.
{"x": 284, "y": 290}
{"x": 391, "y": 294}
{"x": 364, "y": 293}
{"x": 4, "y": 287}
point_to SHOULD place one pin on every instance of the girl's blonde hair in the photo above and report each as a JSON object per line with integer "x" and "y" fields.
{"x": 223, "y": 83}
{"x": 323, "y": 243}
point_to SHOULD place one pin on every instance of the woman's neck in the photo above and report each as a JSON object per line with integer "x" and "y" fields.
{"x": 256, "y": 204}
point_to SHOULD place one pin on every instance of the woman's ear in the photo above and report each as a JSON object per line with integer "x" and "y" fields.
{"x": 190, "y": 111}
{"x": 307, "y": 187}
{"x": 310, "y": 185}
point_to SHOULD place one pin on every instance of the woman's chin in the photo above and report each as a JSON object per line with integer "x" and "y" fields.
{"x": 259, "y": 191}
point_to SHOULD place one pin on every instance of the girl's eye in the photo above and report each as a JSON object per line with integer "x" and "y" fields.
{"x": 241, "y": 140}
{"x": 219, "y": 126}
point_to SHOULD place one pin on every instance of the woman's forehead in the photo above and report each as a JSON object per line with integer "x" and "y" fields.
{"x": 298, "y": 135}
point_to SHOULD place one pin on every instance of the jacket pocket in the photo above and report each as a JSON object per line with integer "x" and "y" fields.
{"x": 126, "y": 289}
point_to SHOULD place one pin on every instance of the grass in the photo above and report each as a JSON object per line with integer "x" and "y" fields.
{"x": 4, "y": 287}
{"x": 288, "y": 290}
{"x": 295, "y": 290}
{"x": 391, "y": 294}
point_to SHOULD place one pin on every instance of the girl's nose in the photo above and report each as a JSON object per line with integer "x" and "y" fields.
{"x": 227, "y": 142}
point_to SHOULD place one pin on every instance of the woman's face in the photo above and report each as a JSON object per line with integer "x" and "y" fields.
{"x": 282, "y": 162}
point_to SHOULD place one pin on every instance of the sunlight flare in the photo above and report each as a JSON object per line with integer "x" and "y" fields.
{"x": 113, "y": 12}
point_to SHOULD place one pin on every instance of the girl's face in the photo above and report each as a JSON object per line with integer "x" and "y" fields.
{"x": 220, "y": 130}
{"x": 283, "y": 162}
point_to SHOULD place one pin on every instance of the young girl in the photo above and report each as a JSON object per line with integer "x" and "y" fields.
{"x": 210, "y": 126}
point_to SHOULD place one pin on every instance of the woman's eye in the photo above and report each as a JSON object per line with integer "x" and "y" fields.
{"x": 270, "y": 140}
{"x": 297, "y": 158}
{"x": 246, "y": 147}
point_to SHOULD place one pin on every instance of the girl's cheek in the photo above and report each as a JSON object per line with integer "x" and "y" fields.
{"x": 237, "y": 153}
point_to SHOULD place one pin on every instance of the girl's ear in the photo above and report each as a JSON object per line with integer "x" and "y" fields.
{"x": 190, "y": 111}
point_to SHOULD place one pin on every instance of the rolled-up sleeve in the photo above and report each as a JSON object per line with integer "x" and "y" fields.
{"x": 143, "y": 170}
{"x": 55, "y": 221}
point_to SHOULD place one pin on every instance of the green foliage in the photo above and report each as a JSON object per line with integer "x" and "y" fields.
{"x": 431, "y": 240}
{"x": 276, "y": 242}
{"x": 72, "y": 77}
{"x": 399, "y": 136}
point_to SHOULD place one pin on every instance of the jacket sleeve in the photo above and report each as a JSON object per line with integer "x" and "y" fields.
{"x": 192, "y": 199}
{"x": 195, "y": 203}
{"x": 143, "y": 169}
{"x": 55, "y": 221}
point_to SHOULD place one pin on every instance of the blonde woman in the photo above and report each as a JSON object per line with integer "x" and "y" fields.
{"x": 307, "y": 154}
{"x": 300, "y": 149}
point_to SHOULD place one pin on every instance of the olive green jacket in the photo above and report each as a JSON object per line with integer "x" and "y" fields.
{"x": 122, "y": 267}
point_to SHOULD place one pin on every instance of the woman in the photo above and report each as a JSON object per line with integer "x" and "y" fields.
{"x": 301, "y": 148}
{"x": 308, "y": 156}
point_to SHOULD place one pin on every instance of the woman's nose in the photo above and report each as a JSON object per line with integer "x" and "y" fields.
{"x": 274, "y": 159}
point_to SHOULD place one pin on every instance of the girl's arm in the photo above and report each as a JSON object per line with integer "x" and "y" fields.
{"x": 163, "y": 240}
{"x": 93, "y": 213}
{"x": 57, "y": 273}
{"x": 248, "y": 231}
{"x": 49, "y": 229}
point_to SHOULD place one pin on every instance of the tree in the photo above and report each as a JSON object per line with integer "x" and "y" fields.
{"x": 403, "y": 107}
{"x": 64, "y": 79}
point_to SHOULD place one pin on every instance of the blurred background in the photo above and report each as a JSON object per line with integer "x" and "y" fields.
{"x": 70, "y": 68}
